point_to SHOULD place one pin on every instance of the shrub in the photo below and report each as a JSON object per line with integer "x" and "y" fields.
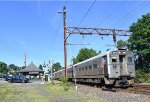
{"x": 142, "y": 76}
{"x": 64, "y": 82}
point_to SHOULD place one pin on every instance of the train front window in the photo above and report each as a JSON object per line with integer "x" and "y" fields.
{"x": 114, "y": 59}
{"x": 121, "y": 57}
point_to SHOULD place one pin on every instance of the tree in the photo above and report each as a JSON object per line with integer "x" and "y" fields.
{"x": 84, "y": 54}
{"x": 40, "y": 67}
{"x": 121, "y": 44}
{"x": 13, "y": 68}
{"x": 139, "y": 41}
{"x": 56, "y": 67}
{"x": 3, "y": 68}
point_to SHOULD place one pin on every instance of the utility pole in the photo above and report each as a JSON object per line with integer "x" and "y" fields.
{"x": 65, "y": 40}
{"x": 51, "y": 62}
{"x": 25, "y": 58}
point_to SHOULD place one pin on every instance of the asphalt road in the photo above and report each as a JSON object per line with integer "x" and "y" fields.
{"x": 2, "y": 81}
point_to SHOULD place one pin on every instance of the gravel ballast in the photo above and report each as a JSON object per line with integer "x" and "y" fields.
{"x": 112, "y": 96}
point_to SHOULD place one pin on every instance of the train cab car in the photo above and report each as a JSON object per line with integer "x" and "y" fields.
{"x": 121, "y": 68}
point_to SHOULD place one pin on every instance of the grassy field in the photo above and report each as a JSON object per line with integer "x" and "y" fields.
{"x": 40, "y": 93}
{"x": 21, "y": 93}
{"x": 60, "y": 95}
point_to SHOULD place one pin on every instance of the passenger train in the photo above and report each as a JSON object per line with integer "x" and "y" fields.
{"x": 115, "y": 68}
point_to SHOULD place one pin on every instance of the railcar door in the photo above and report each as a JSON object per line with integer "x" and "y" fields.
{"x": 104, "y": 66}
{"x": 130, "y": 65}
{"x": 123, "y": 65}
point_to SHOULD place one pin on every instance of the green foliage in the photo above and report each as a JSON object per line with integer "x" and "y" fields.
{"x": 141, "y": 76}
{"x": 56, "y": 67}
{"x": 121, "y": 44}
{"x": 139, "y": 42}
{"x": 40, "y": 67}
{"x": 84, "y": 54}
{"x": 12, "y": 68}
{"x": 64, "y": 82}
{"x": 3, "y": 68}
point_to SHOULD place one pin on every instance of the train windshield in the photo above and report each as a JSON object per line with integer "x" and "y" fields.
{"x": 114, "y": 59}
{"x": 121, "y": 58}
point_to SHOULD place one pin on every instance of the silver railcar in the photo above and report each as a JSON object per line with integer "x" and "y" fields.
{"x": 111, "y": 68}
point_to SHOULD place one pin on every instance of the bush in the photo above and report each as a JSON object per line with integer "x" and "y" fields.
{"x": 64, "y": 82}
{"x": 142, "y": 76}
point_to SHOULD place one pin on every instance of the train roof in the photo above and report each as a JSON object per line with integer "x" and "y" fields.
{"x": 100, "y": 55}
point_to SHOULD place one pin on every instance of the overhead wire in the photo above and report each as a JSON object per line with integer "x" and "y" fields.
{"x": 126, "y": 15}
{"x": 114, "y": 10}
{"x": 57, "y": 28}
{"x": 66, "y": 3}
{"x": 85, "y": 15}
{"x": 122, "y": 22}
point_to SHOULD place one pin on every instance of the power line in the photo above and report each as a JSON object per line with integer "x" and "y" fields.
{"x": 122, "y": 22}
{"x": 83, "y": 19}
{"x": 66, "y": 3}
{"x": 115, "y": 10}
{"x": 141, "y": 4}
{"x": 87, "y": 13}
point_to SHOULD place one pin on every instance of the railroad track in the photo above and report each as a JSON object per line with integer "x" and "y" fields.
{"x": 137, "y": 89}
{"x": 140, "y": 89}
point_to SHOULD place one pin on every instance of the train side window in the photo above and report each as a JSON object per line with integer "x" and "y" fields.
{"x": 86, "y": 68}
{"x": 95, "y": 64}
{"x": 76, "y": 69}
{"x": 129, "y": 59}
{"x": 90, "y": 66}
{"x": 105, "y": 59}
{"x": 79, "y": 69}
{"x": 114, "y": 59}
{"x": 82, "y": 68}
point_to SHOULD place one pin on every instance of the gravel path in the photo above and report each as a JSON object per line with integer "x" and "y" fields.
{"x": 112, "y": 96}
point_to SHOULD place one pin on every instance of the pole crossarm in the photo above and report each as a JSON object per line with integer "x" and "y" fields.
{"x": 99, "y": 31}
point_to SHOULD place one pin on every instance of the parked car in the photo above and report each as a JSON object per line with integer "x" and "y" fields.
{"x": 8, "y": 77}
{"x": 1, "y": 76}
{"x": 18, "y": 79}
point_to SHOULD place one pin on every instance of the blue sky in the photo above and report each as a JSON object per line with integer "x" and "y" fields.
{"x": 37, "y": 27}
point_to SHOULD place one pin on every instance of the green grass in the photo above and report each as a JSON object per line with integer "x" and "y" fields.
{"x": 58, "y": 91}
{"x": 30, "y": 93}
{"x": 11, "y": 93}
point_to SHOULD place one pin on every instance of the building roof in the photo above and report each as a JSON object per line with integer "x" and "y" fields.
{"x": 31, "y": 68}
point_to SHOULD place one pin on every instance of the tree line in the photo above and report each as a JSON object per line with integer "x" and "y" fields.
{"x": 11, "y": 69}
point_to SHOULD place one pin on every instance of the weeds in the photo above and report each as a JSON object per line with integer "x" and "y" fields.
{"x": 141, "y": 76}
{"x": 65, "y": 84}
